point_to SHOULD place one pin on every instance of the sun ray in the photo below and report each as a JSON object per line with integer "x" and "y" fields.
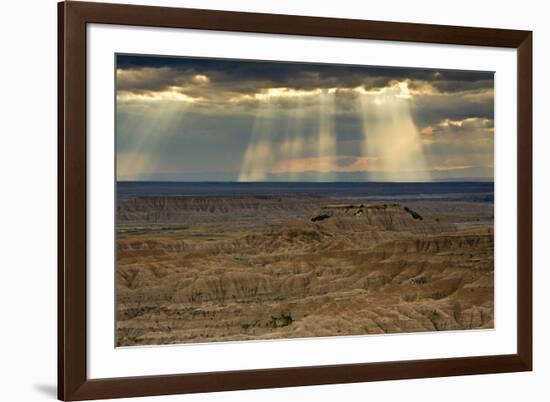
{"x": 326, "y": 136}
{"x": 258, "y": 154}
{"x": 293, "y": 144}
{"x": 141, "y": 159}
{"x": 391, "y": 139}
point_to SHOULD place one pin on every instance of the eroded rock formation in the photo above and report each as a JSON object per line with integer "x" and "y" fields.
{"x": 199, "y": 270}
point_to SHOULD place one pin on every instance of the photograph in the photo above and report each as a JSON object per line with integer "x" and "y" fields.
{"x": 267, "y": 199}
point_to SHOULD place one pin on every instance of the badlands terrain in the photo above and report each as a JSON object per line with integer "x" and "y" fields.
{"x": 232, "y": 268}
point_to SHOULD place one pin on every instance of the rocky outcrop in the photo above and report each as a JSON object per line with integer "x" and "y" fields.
{"x": 380, "y": 216}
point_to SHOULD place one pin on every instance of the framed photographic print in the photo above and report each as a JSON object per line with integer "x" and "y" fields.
{"x": 252, "y": 200}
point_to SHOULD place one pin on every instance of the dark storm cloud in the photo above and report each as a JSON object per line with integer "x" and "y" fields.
{"x": 443, "y": 94}
{"x": 280, "y": 70}
{"x": 251, "y": 76}
{"x": 429, "y": 110}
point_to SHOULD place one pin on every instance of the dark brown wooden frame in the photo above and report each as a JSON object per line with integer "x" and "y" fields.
{"x": 73, "y": 383}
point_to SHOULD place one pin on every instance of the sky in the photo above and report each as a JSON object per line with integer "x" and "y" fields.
{"x": 198, "y": 119}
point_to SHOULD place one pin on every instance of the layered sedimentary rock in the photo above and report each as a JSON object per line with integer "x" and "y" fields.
{"x": 196, "y": 270}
